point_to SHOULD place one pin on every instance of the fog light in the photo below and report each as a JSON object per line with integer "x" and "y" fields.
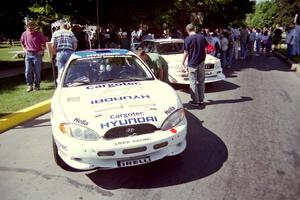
{"x": 106, "y": 153}
{"x": 160, "y": 145}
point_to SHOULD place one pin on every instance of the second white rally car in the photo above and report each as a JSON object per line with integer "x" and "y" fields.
{"x": 172, "y": 51}
{"x": 109, "y": 111}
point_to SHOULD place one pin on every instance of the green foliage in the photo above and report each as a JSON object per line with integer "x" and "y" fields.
{"x": 209, "y": 13}
{"x": 129, "y": 13}
{"x": 264, "y": 16}
{"x": 287, "y": 11}
{"x": 44, "y": 15}
{"x": 273, "y": 12}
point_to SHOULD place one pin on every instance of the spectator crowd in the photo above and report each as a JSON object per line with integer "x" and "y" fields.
{"x": 228, "y": 44}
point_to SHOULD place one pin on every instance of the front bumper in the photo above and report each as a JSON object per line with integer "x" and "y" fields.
{"x": 121, "y": 152}
{"x": 210, "y": 76}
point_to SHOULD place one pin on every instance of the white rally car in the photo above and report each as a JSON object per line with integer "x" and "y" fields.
{"x": 109, "y": 111}
{"x": 172, "y": 51}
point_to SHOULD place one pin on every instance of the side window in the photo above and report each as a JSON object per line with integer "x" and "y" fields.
{"x": 149, "y": 47}
{"x": 143, "y": 45}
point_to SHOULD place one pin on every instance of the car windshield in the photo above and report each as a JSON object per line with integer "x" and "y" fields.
{"x": 93, "y": 70}
{"x": 170, "y": 48}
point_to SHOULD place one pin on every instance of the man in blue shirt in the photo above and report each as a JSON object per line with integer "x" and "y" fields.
{"x": 195, "y": 52}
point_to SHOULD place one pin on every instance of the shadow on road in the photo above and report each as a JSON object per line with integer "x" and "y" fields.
{"x": 214, "y": 102}
{"x": 204, "y": 155}
{"x": 261, "y": 63}
{"x": 34, "y": 123}
{"x": 219, "y": 86}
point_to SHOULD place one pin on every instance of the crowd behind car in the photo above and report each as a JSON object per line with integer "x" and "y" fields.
{"x": 225, "y": 43}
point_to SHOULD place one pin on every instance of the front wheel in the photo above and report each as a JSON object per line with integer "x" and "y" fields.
{"x": 56, "y": 156}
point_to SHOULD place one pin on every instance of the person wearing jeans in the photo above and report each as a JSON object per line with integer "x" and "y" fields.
{"x": 197, "y": 74}
{"x": 33, "y": 43}
{"x": 64, "y": 44}
{"x": 33, "y": 63}
{"x": 195, "y": 51}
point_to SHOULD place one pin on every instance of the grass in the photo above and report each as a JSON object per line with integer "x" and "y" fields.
{"x": 6, "y": 60}
{"x": 14, "y": 97}
{"x": 6, "y": 54}
{"x": 13, "y": 93}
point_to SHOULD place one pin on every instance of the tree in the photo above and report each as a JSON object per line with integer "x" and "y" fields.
{"x": 44, "y": 15}
{"x": 264, "y": 15}
{"x": 126, "y": 14}
{"x": 213, "y": 14}
{"x": 271, "y": 13}
{"x": 286, "y": 12}
{"x": 11, "y": 19}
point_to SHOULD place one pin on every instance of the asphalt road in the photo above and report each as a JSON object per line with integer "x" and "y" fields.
{"x": 244, "y": 145}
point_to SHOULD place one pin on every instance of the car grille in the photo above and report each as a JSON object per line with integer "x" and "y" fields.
{"x": 209, "y": 66}
{"x": 125, "y": 131}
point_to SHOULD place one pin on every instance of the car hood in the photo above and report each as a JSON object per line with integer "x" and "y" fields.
{"x": 104, "y": 106}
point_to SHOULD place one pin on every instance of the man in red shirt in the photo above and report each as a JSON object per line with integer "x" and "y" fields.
{"x": 33, "y": 43}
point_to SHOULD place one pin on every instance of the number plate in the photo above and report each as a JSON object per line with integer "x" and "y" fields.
{"x": 138, "y": 161}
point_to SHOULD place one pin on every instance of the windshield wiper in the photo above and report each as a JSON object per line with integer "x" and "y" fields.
{"x": 77, "y": 83}
{"x": 132, "y": 79}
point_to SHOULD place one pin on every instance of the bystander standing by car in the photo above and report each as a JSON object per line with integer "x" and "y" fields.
{"x": 64, "y": 44}
{"x": 194, "y": 51}
{"x": 277, "y": 36}
{"x": 224, "y": 48}
{"x": 33, "y": 43}
{"x": 156, "y": 63}
{"x": 244, "y": 39}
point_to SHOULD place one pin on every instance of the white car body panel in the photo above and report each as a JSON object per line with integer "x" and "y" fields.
{"x": 176, "y": 75}
{"x": 102, "y": 107}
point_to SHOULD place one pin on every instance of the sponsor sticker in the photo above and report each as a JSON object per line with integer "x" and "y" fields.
{"x": 126, "y": 115}
{"x": 121, "y": 98}
{"x": 111, "y": 85}
{"x": 128, "y": 121}
{"x": 132, "y": 141}
{"x": 77, "y": 120}
{"x": 138, "y": 161}
{"x": 170, "y": 110}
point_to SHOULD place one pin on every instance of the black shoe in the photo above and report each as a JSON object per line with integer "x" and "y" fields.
{"x": 36, "y": 88}
{"x": 192, "y": 103}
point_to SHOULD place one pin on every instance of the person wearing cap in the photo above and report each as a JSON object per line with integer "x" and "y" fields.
{"x": 64, "y": 44}
{"x": 156, "y": 63}
{"x": 195, "y": 52}
{"x": 33, "y": 43}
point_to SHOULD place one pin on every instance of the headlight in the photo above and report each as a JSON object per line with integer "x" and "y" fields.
{"x": 79, "y": 132}
{"x": 174, "y": 119}
{"x": 218, "y": 64}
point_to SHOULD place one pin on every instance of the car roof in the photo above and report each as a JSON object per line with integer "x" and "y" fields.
{"x": 164, "y": 40}
{"x": 102, "y": 52}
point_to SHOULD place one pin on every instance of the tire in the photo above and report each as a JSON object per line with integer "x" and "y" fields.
{"x": 57, "y": 158}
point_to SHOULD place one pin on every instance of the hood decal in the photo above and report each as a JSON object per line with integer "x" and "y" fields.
{"x": 110, "y": 103}
{"x": 128, "y": 121}
{"x": 121, "y": 98}
{"x": 112, "y": 85}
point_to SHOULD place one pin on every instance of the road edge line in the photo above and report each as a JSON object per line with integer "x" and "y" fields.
{"x": 24, "y": 115}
